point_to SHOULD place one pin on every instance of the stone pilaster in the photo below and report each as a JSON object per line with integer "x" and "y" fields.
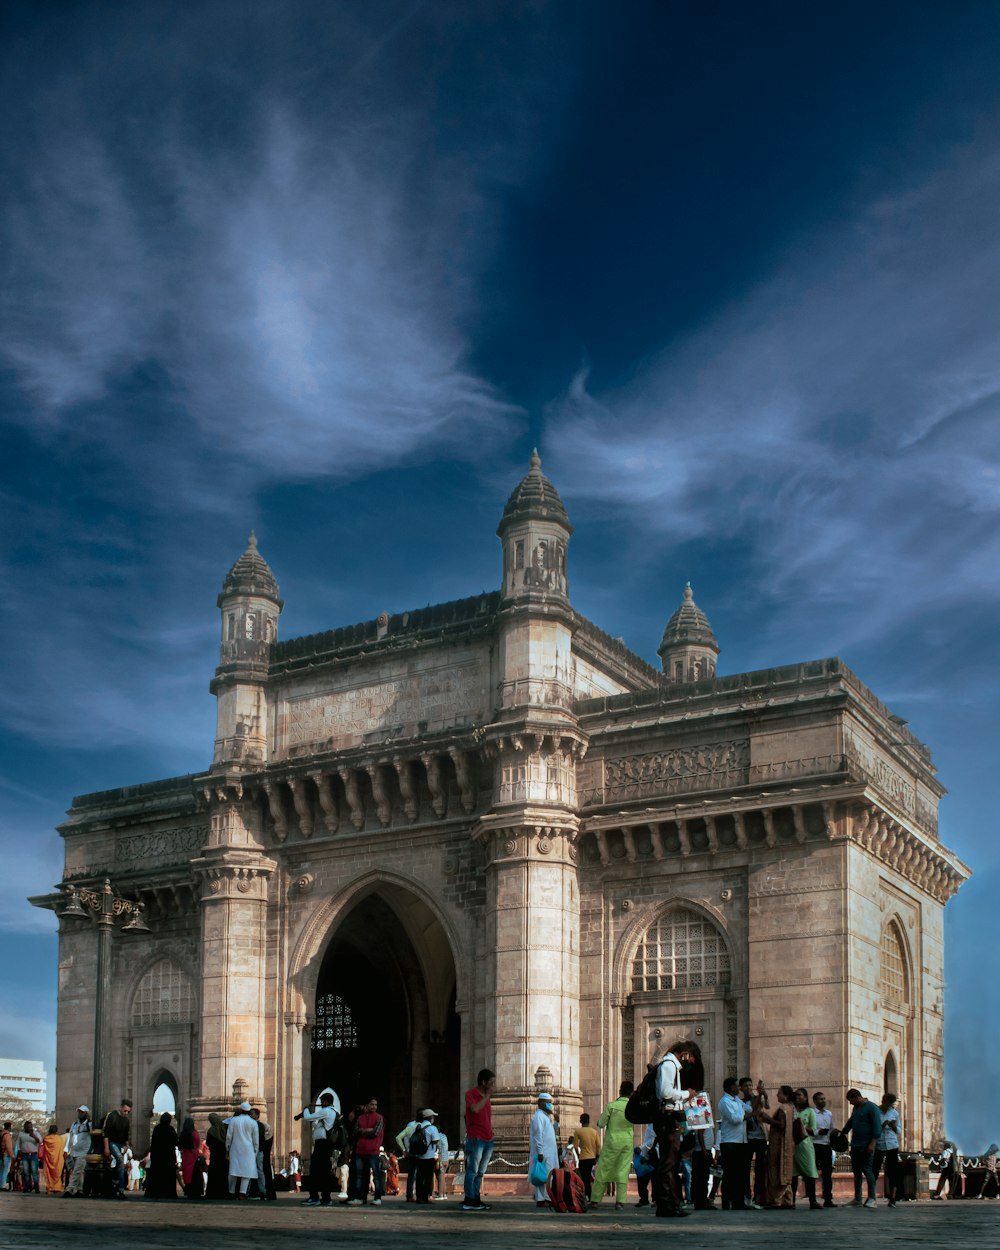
{"x": 233, "y": 876}
{"x": 533, "y": 898}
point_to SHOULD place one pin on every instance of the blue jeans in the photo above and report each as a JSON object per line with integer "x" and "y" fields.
{"x": 365, "y": 1166}
{"x": 29, "y": 1172}
{"x": 862, "y": 1166}
{"x": 117, "y": 1163}
{"x": 4, "y": 1171}
{"x": 477, "y": 1159}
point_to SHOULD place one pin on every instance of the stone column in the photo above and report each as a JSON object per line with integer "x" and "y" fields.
{"x": 233, "y": 875}
{"x": 533, "y": 893}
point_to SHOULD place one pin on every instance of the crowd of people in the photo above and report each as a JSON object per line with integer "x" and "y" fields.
{"x": 751, "y": 1152}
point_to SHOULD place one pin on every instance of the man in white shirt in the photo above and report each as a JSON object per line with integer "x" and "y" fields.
{"x": 427, "y": 1161}
{"x": 403, "y": 1142}
{"x": 733, "y": 1117}
{"x": 323, "y": 1119}
{"x": 77, "y": 1149}
{"x": 822, "y": 1146}
{"x": 671, "y": 1095}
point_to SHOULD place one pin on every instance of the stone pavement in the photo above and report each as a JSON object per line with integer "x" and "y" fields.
{"x": 29, "y": 1222}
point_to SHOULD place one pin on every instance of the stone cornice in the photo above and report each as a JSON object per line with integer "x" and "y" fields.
{"x": 769, "y": 822}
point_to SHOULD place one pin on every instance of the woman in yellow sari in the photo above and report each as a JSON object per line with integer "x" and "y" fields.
{"x": 53, "y": 1146}
{"x": 780, "y": 1146}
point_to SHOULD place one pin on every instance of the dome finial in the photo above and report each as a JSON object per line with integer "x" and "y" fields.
{"x": 536, "y": 461}
{"x": 252, "y": 542}
{"x": 688, "y": 593}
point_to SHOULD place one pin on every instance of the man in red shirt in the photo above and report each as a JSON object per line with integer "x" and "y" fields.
{"x": 478, "y": 1139}
{"x": 370, "y": 1130}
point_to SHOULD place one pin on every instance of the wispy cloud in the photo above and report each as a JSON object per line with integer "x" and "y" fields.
{"x": 841, "y": 420}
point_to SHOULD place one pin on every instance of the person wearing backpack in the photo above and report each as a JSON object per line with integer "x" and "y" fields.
{"x": 403, "y": 1142}
{"x": 423, "y": 1151}
{"x": 679, "y": 1076}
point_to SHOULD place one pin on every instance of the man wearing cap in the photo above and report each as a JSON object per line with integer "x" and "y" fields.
{"x": 427, "y": 1162}
{"x": 76, "y": 1150}
{"x": 543, "y": 1147}
{"x": 323, "y": 1121}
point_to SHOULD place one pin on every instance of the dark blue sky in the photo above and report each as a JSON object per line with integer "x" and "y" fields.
{"x": 330, "y": 270}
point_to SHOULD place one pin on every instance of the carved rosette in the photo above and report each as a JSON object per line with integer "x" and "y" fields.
{"x": 528, "y": 841}
{"x": 233, "y": 879}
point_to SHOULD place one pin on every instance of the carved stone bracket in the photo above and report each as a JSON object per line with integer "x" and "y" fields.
{"x": 327, "y": 801}
{"x": 355, "y": 802}
{"x": 303, "y": 807}
{"x": 406, "y": 789}
{"x": 276, "y": 805}
{"x": 435, "y": 783}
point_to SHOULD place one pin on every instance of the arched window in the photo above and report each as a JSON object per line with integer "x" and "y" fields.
{"x": 680, "y": 950}
{"x": 335, "y": 1028}
{"x": 893, "y": 977}
{"x": 890, "y": 1074}
{"x": 163, "y": 996}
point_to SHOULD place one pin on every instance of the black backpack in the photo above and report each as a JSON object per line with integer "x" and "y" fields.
{"x": 418, "y": 1144}
{"x": 643, "y": 1105}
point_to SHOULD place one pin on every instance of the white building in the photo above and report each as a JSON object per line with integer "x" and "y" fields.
{"x": 25, "y": 1081}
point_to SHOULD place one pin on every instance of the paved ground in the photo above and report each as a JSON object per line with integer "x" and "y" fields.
{"x": 41, "y": 1223}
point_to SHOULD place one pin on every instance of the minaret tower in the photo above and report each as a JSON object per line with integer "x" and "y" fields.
{"x": 250, "y": 607}
{"x": 688, "y": 650}
{"x": 530, "y": 832}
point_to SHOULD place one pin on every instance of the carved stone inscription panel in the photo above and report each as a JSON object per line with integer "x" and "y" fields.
{"x": 680, "y": 770}
{"x": 409, "y": 703}
{"x": 160, "y": 846}
{"x": 885, "y": 776}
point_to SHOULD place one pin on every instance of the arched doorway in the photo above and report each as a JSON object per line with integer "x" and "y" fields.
{"x": 891, "y": 1075}
{"x": 680, "y": 984}
{"x": 385, "y": 1020}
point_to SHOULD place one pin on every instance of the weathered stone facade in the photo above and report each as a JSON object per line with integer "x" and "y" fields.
{"x": 486, "y": 833}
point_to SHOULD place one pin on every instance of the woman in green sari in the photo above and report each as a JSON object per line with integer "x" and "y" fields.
{"x": 615, "y": 1159}
{"x": 805, "y": 1156}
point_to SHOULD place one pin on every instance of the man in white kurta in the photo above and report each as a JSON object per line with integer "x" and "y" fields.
{"x": 241, "y": 1142}
{"x": 543, "y": 1144}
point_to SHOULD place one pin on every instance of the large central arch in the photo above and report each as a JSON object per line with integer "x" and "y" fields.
{"x": 381, "y": 989}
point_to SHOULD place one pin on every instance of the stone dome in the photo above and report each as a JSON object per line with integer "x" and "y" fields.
{"x": 688, "y": 627}
{"x": 534, "y": 498}
{"x": 251, "y": 575}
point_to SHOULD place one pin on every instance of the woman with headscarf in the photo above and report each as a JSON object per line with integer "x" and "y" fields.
{"x": 217, "y": 1185}
{"x": 780, "y": 1146}
{"x": 190, "y": 1144}
{"x": 51, "y": 1157}
{"x": 161, "y": 1175}
{"x": 615, "y": 1159}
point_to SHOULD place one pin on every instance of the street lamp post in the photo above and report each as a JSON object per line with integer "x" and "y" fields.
{"x": 104, "y": 907}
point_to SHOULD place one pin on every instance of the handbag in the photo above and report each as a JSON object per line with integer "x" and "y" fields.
{"x": 539, "y": 1174}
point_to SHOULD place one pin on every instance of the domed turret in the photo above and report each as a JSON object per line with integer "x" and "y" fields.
{"x": 688, "y": 649}
{"x": 250, "y": 607}
{"x": 535, "y": 531}
{"x": 251, "y": 575}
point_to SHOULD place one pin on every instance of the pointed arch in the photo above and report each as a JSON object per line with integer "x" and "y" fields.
{"x": 654, "y": 928}
{"x": 163, "y": 993}
{"x": 416, "y": 909}
{"x": 890, "y": 1074}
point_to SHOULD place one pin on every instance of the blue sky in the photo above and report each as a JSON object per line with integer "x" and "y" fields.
{"x": 330, "y": 270}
